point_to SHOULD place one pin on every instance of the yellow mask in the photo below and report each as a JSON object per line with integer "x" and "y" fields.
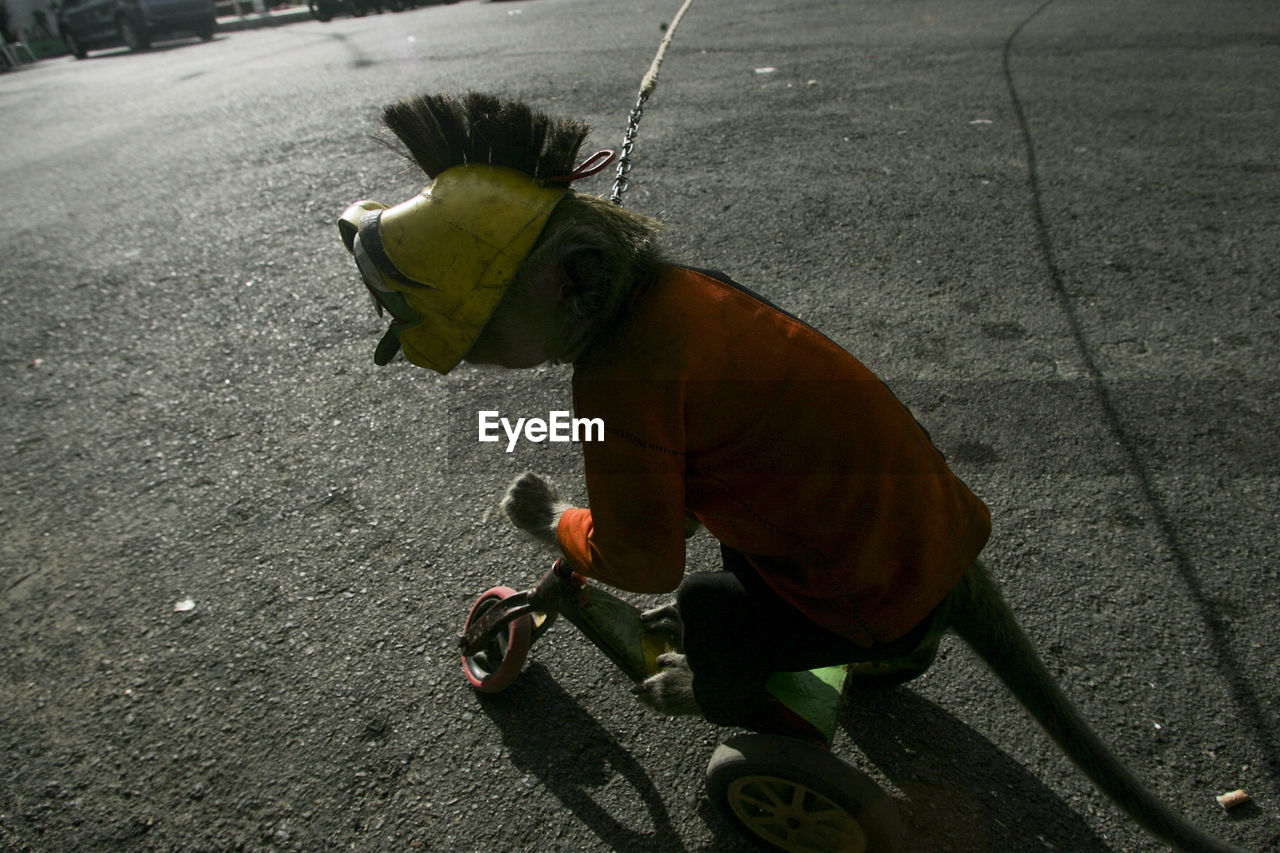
{"x": 440, "y": 262}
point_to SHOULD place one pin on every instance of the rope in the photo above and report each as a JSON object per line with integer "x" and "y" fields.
{"x": 650, "y": 81}
{"x": 647, "y": 85}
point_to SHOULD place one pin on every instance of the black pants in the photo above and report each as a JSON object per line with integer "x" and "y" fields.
{"x": 738, "y": 632}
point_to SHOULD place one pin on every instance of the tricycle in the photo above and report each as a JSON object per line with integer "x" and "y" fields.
{"x": 789, "y": 793}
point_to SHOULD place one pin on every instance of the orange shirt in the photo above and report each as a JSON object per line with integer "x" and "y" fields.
{"x": 782, "y": 444}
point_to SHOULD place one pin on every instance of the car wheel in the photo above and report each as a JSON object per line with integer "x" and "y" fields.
{"x": 73, "y": 44}
{"x": 134, "y": 36}
{"x": 320, "y": 10}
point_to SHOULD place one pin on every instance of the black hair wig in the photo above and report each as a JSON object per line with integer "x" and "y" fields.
{"x": 445, "y": 130}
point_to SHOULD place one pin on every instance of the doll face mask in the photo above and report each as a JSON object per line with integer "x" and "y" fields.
{"x": 440, "y": 262}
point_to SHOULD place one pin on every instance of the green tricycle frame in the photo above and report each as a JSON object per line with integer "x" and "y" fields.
{"x": 786, "y": 793}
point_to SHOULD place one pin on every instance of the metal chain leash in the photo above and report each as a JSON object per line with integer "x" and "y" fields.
{"x": 621, "y": 182}
{"x": 650, "y": 82}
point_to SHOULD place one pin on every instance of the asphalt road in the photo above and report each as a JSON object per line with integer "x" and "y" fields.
{"x": 1053, "y": 228}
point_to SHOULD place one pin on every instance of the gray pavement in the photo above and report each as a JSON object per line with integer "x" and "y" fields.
{"x": 233, "y": 553}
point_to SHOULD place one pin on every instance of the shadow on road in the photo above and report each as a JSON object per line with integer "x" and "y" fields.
{"x": 1250, "y": 703}
{"x": 552, "y": 738}
{"x": 962, "y": 793}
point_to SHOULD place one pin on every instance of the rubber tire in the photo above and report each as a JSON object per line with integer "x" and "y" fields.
{"x": 73, "y": 44}
{"x": 511, "y": 648}
{"x": 789, "y": 768}
{"x": 320, "y": 11}
{"x": 135, "y": 38}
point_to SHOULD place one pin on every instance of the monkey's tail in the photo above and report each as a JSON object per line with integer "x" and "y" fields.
{"x": 984, "y": 621}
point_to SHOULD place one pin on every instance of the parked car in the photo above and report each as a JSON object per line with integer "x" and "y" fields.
{"x": 324, "y": 10}
{"x": 89, "y": 24}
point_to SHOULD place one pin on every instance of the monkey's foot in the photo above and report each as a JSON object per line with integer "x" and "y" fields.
{"x": 670, "y": 691}
{"x": 664, "y": 619}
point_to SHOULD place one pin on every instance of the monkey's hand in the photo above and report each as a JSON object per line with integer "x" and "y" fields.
{"x": 533, "y": 505}
{"x": 670, "y": 691}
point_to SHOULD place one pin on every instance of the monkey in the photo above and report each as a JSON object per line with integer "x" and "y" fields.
{"x": 845, "y": 537}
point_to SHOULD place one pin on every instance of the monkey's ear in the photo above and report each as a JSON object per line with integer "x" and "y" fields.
{"x": 588, "y": 272}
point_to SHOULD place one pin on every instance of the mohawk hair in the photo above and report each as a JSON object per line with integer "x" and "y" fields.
{"x": 441, "y": 131}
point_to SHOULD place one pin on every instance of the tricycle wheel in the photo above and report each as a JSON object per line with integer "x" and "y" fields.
{"x": 494, "y": 667}
{"x": 790, "y": 795}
